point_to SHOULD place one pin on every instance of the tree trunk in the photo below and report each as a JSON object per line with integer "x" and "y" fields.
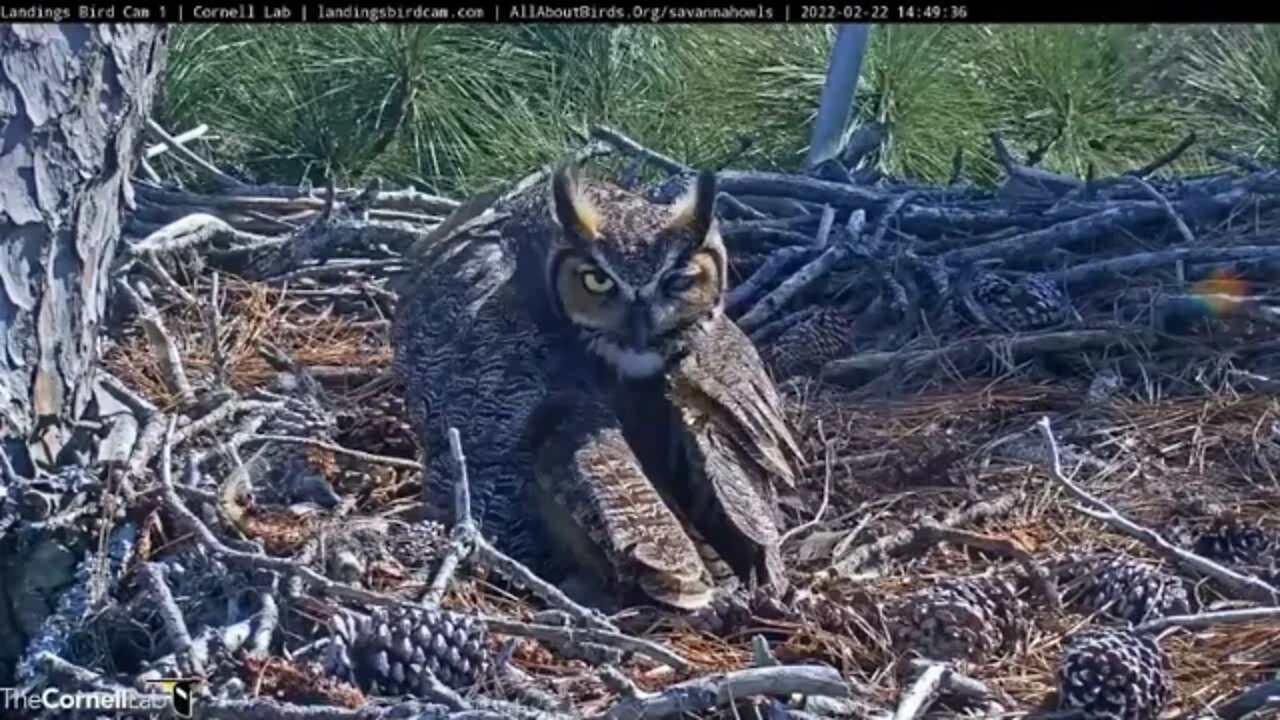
{"x": 73, "y": 103}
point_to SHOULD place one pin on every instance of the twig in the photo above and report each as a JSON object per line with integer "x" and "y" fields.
{"x": 781, "y": 185}
{"x": 1092, "y": 272}
{"x": 614, "y": 639}
{"x": 214, "y": 321}
{"x": 618, "y": 683}
{"x": 464, "y": 530}
{"x": 222, "y": 413}
{"x": 826, "y": 493}
{"x": 956, "y": 683}
{"x": 1200, "y": 621}
{"x": 1241, "y": 161}
{"x": 628, "y": 146}
{"x": 858, "y": 556}
{"x": 1261, "y": 696}
{"x": 486, "y": 554}
{"x": 1004, "y": 548}
{"x": 771, "y": 304}
{"x": 194, "y": 230}
{"x": 1165, "y": 205}
{"x": 181, "y": 139}
{"x": 189, "y": 662}
{"x": 153, "y": 267}
{"x": 1039, "y": 242}
{"x": 975, "y": 347}
{"x": 779, "y": 261}
{"x": 704, "y": 693}
{"x": 1167, "y": 158}
{"x": 921, "y": 693}
{"x": 334, "y": 447}
{"x": 166, "y": 350}
{"x": 1245, "y": 586}
{"x": 268, "y": 708}
{"x": 183, "y": 152}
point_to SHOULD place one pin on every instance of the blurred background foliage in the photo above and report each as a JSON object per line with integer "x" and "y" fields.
{"x": 451, "y": 108}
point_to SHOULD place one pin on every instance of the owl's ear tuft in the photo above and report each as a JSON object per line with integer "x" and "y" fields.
{"x": 569, "y": 206}
{"x": 695, "y": 211}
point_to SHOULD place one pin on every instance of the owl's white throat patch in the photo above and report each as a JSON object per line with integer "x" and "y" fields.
{"x": 627, "y": 361}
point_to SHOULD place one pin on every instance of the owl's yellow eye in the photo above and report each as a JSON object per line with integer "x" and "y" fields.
{"x": 597, "y": 282}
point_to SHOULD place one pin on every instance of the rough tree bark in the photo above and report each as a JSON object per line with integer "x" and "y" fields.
{"x": 73, "y": 101}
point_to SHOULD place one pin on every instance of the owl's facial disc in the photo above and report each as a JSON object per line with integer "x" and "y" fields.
{"x": 632, "y": 276}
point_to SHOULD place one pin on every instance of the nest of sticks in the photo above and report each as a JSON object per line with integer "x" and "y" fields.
{"x": 252, "y": 475}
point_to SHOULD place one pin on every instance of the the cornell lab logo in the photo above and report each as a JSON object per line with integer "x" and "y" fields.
{"x": 182, "y": 690}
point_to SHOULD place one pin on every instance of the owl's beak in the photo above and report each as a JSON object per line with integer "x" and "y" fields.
{"x": 639, "y": 325}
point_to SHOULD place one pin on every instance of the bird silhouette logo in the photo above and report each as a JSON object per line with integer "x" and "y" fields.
{"x": 182, "y": 690}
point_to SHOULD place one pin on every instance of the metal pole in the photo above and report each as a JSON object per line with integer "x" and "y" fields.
{"x": 836, "y": 104}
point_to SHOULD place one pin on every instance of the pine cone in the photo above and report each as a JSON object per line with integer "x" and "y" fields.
{"x": 1121, "y": 588}
{"x": 1113, "y": 674}
{"x": 397, "y": 651}
{"x": 960, "y": 618}
{"x": 1231, "y": 539}
{"x": 1028, "y": 303}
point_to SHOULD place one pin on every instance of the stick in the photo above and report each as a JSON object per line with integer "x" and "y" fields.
{"x": 1156, "y": 195}
{"x": 702, "y": 694}
{"x": 1002, "y": 547}
{"x": 957, "y": 683}
{"x": 810, "y": 273}
{"x": 858, "y": 556}
{"x": 1245, "y": 586}
{"x": 1091, "y": 272}
{"x": 1201, "y": 621}
{"x": 189, "y": 662}
{"x": 628, "y": 146}
{"x": 181, "y": 151}
{"x": 614, "y": 639}
{"x": 1241, "y": 161}
{"x": 1169, "y": 157}
{"x": 179, "y": 139}
{"x": 1258, "y": 697}
{"x": 194, "y": 230}
{"x": 464, "y": 530}
{"x": 778, "y": 262}
{"x": 781, "y": 185}
{"x": 162, "y": 344}
{"x": 153, "y": 267}
{"x": 921, "y": 693}
{"x": 971, "y": 348}
{"x": 334, "y": 447}
{"x": 486, "y": 554}
{"x": 1039, "y": 242}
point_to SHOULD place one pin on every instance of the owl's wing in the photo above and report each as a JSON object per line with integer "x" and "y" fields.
{"x": 598, "y": 501}
{"x": 724, "y": 376}
{"x": 738, "y": 441}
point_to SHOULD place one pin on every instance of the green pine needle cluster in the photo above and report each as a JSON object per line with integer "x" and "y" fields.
{"x": 451, "y": 108}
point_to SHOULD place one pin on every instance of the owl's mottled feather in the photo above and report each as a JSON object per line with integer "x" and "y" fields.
{"x": 539, "y": 329}
{"x": 613, "y": 519}
{"x": 739, "y": 447}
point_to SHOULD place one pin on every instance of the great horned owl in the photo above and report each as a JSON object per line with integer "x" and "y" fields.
{"x": 616, "y": 420}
